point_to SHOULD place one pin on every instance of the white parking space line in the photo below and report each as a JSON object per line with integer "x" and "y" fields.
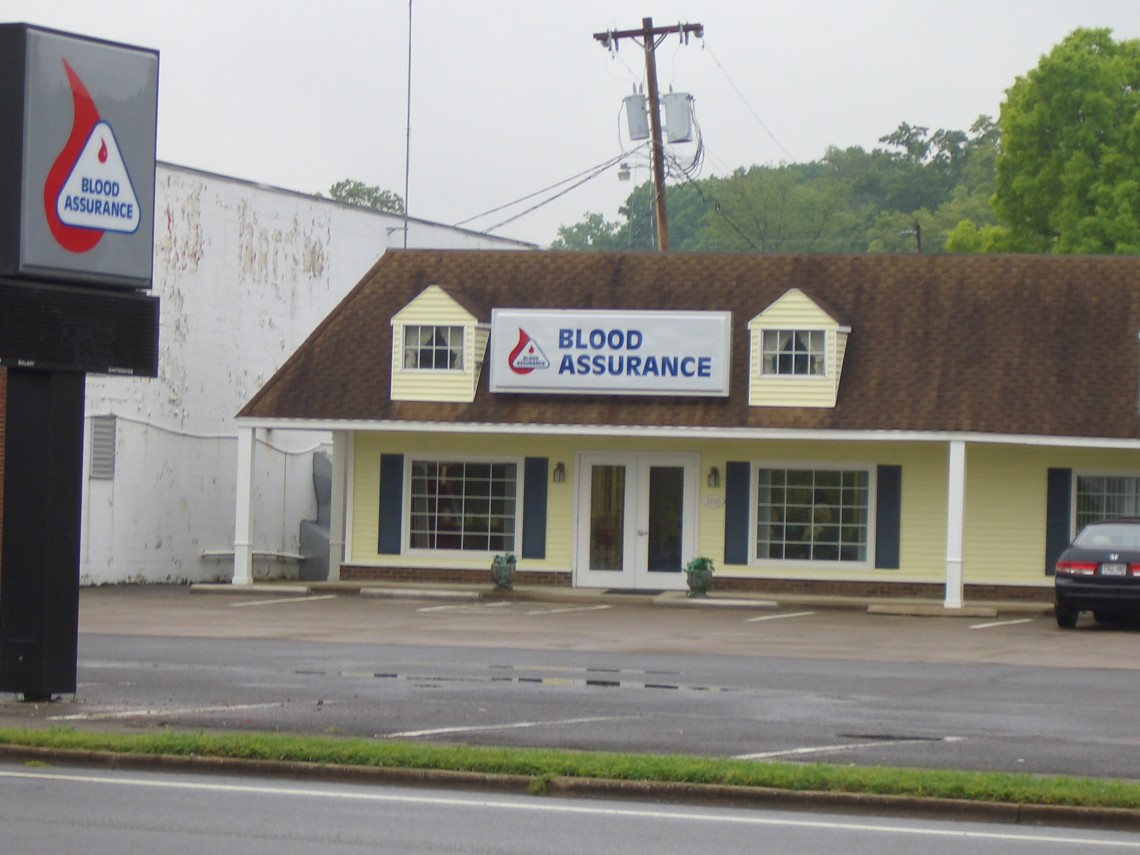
{"x": 1001, "y": 623}
{"x": 154, "y": 713}
{"x": 777, "y": 617}
{"x": 516, "y": 725}
{"x": 850, "y": 746}
{"x": 466, "y": 607}
{"x": 568, "y": 610}
{"x": 283, "y": 600}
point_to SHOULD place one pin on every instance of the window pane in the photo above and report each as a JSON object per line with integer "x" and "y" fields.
{"x": 793, "y": 352}
{"x": 1102, "y": 496}
{"x": 433, "y": 348}
{"x": 458, "y": 505}
{"x": 822, "y": 515}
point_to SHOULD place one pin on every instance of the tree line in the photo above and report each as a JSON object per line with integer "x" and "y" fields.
{"x": 1058, "y": 171}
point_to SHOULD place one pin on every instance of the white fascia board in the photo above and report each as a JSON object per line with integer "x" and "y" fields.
{"x": 678, "y": 432}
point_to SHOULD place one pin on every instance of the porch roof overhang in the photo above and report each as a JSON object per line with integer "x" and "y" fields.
{"x": 688, "y": 432}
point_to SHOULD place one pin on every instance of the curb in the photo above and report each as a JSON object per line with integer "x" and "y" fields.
{"x": 864, "y": 804}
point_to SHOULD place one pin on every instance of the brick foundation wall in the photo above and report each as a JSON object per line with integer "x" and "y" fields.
{"x": 884, "y": 589}
{"x": 353, "y": 573}
{"x": 721, "y": 584}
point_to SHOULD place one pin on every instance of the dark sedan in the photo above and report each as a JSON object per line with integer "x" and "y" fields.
{"x": 1100, "y": 572}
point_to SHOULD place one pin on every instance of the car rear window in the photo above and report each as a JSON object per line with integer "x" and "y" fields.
{"x": 1114, "y": 536}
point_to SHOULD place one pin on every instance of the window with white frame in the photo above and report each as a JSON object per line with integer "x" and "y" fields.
{"x": 812, "y": 514}
{"x": 464, "y": 505}
{"x": 1102, "y": 496}
{"x": 793, "y": 352}
{"x": 434, "y": 348}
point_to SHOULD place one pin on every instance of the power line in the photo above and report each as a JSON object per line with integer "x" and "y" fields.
{"x": 590, "y": 177}
{"x": 714, "y": 206}
{"x": 736, "y": 89}
{"x": 590, "y": 173}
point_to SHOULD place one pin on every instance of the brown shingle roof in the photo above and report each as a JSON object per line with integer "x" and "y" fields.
{"x": 1036, "y": 345}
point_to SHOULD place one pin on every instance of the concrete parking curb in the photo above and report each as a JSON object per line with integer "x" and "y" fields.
{"x": 669, "y": 599}
{"x": 1110, "y": 819}
{"x": 420, "y": 594}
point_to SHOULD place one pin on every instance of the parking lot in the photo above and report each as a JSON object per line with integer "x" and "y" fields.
{"x": 1025, "y": 634}
{"x": 790, "y": 681}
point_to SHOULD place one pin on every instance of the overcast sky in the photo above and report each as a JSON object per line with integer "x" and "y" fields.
{"x": 509, "y": 97}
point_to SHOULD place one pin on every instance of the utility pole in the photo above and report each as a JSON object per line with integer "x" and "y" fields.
{"x": 651, "y": 37}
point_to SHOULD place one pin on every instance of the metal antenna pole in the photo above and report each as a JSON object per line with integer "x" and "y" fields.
{"x": 408, "y": 137}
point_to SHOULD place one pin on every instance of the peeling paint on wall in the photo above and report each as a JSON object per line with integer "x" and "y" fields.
{"x": 244, "y": 273}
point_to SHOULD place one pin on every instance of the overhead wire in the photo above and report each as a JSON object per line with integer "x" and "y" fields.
{"x": 744, "y": 100}
{"x": 590, "y": 173}
{"x": 714, "y": 206}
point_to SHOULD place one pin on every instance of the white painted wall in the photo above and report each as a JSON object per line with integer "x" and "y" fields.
{"x": 244, "y": 273}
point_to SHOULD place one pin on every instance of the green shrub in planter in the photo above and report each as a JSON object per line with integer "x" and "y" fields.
{"x": 699, "y": 573}
{"x": 503, "y": 571}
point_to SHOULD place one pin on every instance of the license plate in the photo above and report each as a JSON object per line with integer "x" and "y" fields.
{"x": 1113, "y": 569}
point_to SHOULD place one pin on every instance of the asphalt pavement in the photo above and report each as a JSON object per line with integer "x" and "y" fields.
{"x": 174, "y": 611}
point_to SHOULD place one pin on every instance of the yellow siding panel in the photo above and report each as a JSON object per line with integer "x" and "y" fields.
{"x": 1006, "y": 506}
{"x": 1005, "y": 496}
{"x": 796, "y": 311}
{"x": 366, "y": 492}
{"x": 365, "y": 535}
{"x": 433, "y": 306}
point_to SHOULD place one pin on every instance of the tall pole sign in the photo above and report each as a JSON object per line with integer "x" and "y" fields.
{"x": 81, "y": 154}
{"x": 78, "y": 120}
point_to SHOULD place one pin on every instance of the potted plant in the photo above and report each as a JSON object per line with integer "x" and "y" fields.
{"x": 699, "y": 573}
{"x": 503, "y": 571}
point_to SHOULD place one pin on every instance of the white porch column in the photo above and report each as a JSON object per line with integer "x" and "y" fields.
{"x": 337, "y": 520}
{"x": 955, "y": 524}
{"x": 243, "y": 515}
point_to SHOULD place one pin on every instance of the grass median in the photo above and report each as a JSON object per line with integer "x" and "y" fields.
{"x": 542, "y": 765}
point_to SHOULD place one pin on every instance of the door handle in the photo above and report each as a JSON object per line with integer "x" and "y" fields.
{"x": 641, "y": 533}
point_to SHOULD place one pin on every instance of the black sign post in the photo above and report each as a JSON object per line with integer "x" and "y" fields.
{"x": 39, "y": 585}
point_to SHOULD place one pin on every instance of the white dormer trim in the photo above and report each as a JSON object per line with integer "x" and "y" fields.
{"x": 447, "y": 380}
{"x": 808, "y": 333}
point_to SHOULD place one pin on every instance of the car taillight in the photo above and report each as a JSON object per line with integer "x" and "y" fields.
{"x": 1134, "y": 569}
{"x": 1076, "y": 568}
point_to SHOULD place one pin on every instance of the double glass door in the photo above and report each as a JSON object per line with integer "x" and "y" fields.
{"x": 636, "y": 520}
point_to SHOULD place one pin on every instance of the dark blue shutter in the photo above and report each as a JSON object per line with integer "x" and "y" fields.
{"x": 1058, "y": 516}
{"x": 534, "y": 507}
{"x": 737, "y": 481}
{"x": 888, "y": 515}
{"x": 391, "y": 502}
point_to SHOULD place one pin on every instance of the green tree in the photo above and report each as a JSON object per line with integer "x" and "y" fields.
{"x": 1068, "y": 173}
{"x": 594, "y": 232}
{"x": 363, "y": 195}
{"x": 850, "y": 201}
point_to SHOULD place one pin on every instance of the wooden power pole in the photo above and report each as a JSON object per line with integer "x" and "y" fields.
{"x": 651, "y": 37}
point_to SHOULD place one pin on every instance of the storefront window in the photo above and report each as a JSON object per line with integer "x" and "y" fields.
{"x": 462, "y": 505}
{"x": 812, "y": 515}
{"x": 1102, "y": 496}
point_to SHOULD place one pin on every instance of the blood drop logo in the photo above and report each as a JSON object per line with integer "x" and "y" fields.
{"x": 88, "y": 191}
{"x": 527, "y": 355}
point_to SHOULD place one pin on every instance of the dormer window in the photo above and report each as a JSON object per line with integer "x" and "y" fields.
{"x": 797, "y": 353}
{"x": 433, "y": 348}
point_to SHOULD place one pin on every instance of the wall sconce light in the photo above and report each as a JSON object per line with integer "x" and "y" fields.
{"x": 714, "y": 477}
{"x": 559, "y": 473}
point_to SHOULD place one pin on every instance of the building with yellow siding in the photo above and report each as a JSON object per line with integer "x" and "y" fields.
{"x": 876, "y": 425}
